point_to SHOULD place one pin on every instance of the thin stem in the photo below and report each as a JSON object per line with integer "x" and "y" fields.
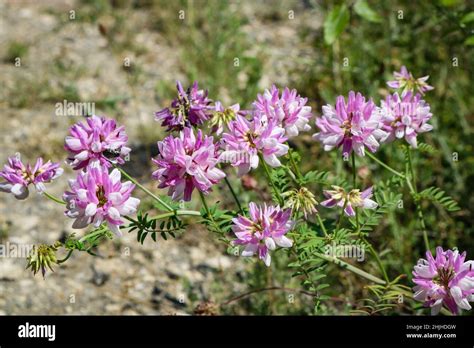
{"x": 377, "y": 259}
{"x": 342, "y": 215}
{"x": 269, "y": 176}
{"x": 272, "y": 288}
{"x": 386, "y": 166}
{"x": 67, "y": 257}
{"x": 321, "y": 224}
{"x": 351, "y": 268}
{"x": 93, "y": 234}
{"x": 144, "y": 189}
{"x": 176, "y": 213}
{"x": 204, "y": 203}
{"x": 410, "y": 175}
{"x": 354, "y": 178}
{"x": 53, "y": 198}
{"x": 231, "y": 189}
{"x": 293, "y": 164}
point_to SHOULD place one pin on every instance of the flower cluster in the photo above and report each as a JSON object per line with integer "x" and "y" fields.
{"x": 187, "y": 162}
{"x": 19, "y": 176}
{"x": 405, "y": 116}
{"x": 445, "y": 280}
{"x": 349, "y": 200}
{"x": 289, "y": 110}
{"x": 98, "y": 196}
{"x": 249, "y": 139}
{"x": 354, "y": 125}
{"x": 96, "y": 142}
{"x": 405, "y": 81}
{"x": 190, "y": 108}
{"x": 263, "y": 231}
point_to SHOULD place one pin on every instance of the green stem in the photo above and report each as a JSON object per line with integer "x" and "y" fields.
{"x": 176, "y": 213}
{"x": 410, "y": 175}
{"x": 351, "y": 268}
{"x": 386, "y": 166}
{"x": 54, "y": 199}
{"x": 93, "y": 234}
{"x": 269, "y": 176}
{"x": 342, "y": 215}
{"x": 371, "y": 248}
{"x": 66, "y": 258}
{"x": 231, "y": 189}
{"x": 293, "y": 164}
{"x": 144, "y": 189}
{"x": 322, "y": 224}
{"x": 204, "y": 203}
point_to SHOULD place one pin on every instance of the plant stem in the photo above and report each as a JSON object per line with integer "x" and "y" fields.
{"x": 410, "y": 175}
{"x": 204, "y": 203}
{"x": 342, "y": 215}
{"x": 144, "y": 189}
{"x": 293, "y": 164}
{"x": 386, "y": 166}
{"x": 54, "y": 199}
{"x": 176, "y": 213}
{"x": 231, "y": 189}
{"x": 269, "y": 176}
{"x": 93, "y": 234}
{"x": 351, "y": 268}
{"x": 321, "y": 224}
{"x": 66, "y": 258}
{"x": 371, "y": 248}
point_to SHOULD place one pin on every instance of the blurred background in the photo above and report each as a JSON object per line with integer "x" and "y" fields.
{"x": 126, "y": 55}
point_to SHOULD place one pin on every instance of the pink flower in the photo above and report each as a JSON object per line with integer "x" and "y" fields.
{"x": 247, "y": 139}
{"x": 221, "y": 116}
{"x": 191, "y": 108}
{"x": 405, "y": 81}
{"x": 290, "y": 110}
{"x": 263, "y": 231}
{"x": 96, "y": 142}
{"x": 18, "y": 176}
{"x": 355, "y": 198}
{"x": 186, "y": 162}
{"x": 97, "y": 196}
{"x": 405, "y": 116}
{"x": 354, "y": 125}
{"x": 444, "y": 280}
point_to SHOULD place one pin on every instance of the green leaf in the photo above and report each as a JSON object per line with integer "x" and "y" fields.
{"x": 437, "y": 195}
{"x": 469, "y": 41}
{"x": 468, "y": 18}
{"x": 335, "y": 23}
{"x": 363, "y": 9}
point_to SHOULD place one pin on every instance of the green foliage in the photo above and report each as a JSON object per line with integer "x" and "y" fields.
{"x": 362, "y": 8}
{"x": 435, "y": 194}
{"x": 144, "y": 226}
{"x": 335, "y": 23}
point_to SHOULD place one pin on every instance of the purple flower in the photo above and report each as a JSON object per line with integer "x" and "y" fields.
{"x": 191, "y": 108}
{"x": 97, "y": 196}
{"x": 405, "y": 81}
{"x": 186, "y": 162}
{"x": 349, "y": 201}
{"x": 263, "y": 231}
{"x": 290, "y": 110}
{"x": 96, "y": 142}
{"x": 444, "y": 280}
{"x": 18, "y": 176}
{"x": 247, "y": 139}
{"x": 354, "y": 125}
{"x": 405, "y": 116}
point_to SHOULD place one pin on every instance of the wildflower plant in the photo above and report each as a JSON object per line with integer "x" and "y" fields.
{"x": 291, "y": 219}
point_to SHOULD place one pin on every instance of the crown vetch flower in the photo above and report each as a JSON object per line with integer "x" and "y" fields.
{"x": 42, "y": 257}
{"x": 446, "y": 279}
{"x": 300, "y": 200}
{"x": 221, "y": 116}
{"x": 187, "y": 162}
{"x": 405, "y": 116}
{"x": 289, "y": 110}
{"x": 97, "y": 196}
{"x": 98, "y": 141}
{"x": 18, "y": 176}
{"x": 349, "y": 200}
{"x": 354, "y": 125}
{"x": 263, "y": 231}
{"x": 247, "y": 138}
{"x": 190, "y": 108}
{"x": 405, "y": 81}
